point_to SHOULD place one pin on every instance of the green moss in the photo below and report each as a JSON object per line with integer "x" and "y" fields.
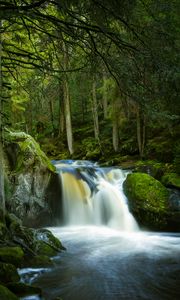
{"x": 146, "y": 191}
{"x": 40, "y": 261}
{"x": 46, "y": 235}
{"x": 44, "y": 249}
{"x": 6, "y": 294}
{"x": 30, "y": 152}
{"x": 22, "y": 289}
{"x": 12, "y": 255}
{"x": 148, "y": 199}
{"x": 8, "y": 273}
{"x": 171, "y": 179}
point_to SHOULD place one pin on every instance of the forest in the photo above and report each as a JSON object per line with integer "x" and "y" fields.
{"x": 93, "y": 80}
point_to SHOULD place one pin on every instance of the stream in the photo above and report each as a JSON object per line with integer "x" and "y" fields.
{"x": 108, "y": 257}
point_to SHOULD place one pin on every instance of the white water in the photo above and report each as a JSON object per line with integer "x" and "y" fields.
{"x": 107, "y": 256}
{"x": 94, "y": 195}
{"x": 104, "y": 263}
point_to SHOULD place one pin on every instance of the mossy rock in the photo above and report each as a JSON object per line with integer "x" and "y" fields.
{"x": 47, "y": 236}
{"x": 171, "y": 180}
{"x": 6, "y": 294}
{"x": 8, "y": 273}
{"x": 42, "y": 248}
{"x": 22, "y": 289}
{"x": 148, "y": 200}
{"x": 40, "y": 261}
{"x": 30, "y": 152}
{"x": 12, "y": 255}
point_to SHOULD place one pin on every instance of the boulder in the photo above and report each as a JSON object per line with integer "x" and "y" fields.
{"x": 148, "y": 200}
{"x": 31, "y": 173}
{"x": 40, "y": 261}
{"x": 13, "y": 255}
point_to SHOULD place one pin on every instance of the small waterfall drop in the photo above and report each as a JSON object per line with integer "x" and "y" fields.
{"x": 94, "y": 195}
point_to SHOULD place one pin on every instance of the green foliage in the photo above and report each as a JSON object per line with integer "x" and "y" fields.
{"x": 129, "y": 47}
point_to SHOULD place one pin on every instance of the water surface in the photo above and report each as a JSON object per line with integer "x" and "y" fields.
{"x": 103, "y": 263}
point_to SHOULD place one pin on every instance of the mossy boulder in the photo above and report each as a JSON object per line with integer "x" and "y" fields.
{"x": 6, "y": 294}
{"x": 8, "y": 273}
{"x": 171, "y": 180}
{"x": 47, "y": 244}
{"x": 31, "y": 174}
{"x": 39, "y": 261}
{"x": 13, "y": 255}
{"x": 47, "y": 236}
{"x": 148, "y": 200}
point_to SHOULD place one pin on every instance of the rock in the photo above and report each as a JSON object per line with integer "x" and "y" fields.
{"x": 6, "y": 294}
{"x": 40, "y": 261}
{"x": 171, "y": 180}
{"x": 35, "y": 241}
{"x": 13, "y": 255}
{"x": 31, "y": 175}
{"x": 47, "y": 236}
{"x": 47, "y": 243}
{"x": 22, "y": 289}
{"x": 8, "y": 273}
{"x": 148, "y": 200}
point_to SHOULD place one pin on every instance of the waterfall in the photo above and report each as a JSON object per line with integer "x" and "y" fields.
{"x": 94, "y": 195}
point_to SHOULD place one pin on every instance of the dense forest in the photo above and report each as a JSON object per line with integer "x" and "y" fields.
{"x": 90, "y": 78}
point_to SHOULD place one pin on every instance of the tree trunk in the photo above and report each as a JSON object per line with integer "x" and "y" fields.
{"x": 67, "y": 111}
{"x": 95, "y": 110}
{"x": 61, "y": 112}
{"x": 105, "y": 98}
{"x": 115, "y": 119}
{"x": 2, "y": 195}
{"x": 51, "y": 108}
{"x": 141, "y": 131}
{"x": 66, "y": 97}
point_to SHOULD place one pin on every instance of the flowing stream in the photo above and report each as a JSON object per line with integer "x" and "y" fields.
{"x": 108, "y": 256}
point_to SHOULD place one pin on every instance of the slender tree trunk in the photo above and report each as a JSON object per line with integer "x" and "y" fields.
{"x": 115, "y": 119}
{"x": 51, "y": 107}
{"x": 67, "y": 105}
{"x": 141, "y": 131}
{"x": 67, "y": 111}
{"x": 105, "y": 98}
{"x": 95, "y": 110}
{"x": 2, "y": 194}
{"x": 61, "y": 111}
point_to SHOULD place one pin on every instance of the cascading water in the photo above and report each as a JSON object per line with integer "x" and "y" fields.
{"x": 114, "y": 263}
{"x": 94, "y": 195}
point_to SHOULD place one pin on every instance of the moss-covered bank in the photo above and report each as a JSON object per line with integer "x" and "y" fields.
{"x": 23, "y": 247}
